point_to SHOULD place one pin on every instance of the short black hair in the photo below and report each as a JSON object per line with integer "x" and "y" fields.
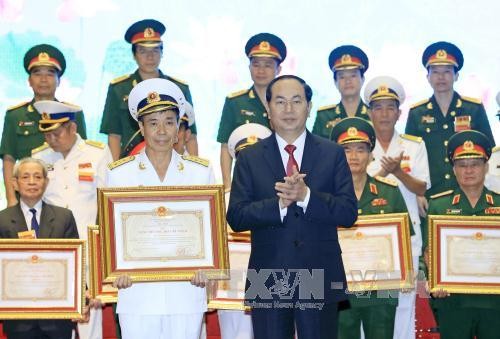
{"x": 307, "y": 88}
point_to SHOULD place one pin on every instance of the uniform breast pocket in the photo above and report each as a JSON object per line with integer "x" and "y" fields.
{"x": 28, "y": 137}
{"x": 427, "y": 127}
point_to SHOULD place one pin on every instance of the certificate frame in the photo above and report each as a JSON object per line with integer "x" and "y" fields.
{"x": 446, "y": 272}
{"x": 391, "y": 234}
{"x": 61, "y": 256}
{"x": 207, "y": 202}
{"x": 220, "y": 296}
{"x": 97, "y": 289}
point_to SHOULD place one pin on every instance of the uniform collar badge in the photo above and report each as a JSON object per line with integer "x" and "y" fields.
{"x": 456, "y": 199}
{"x": 489, "y": 199}
{"x": 373, "y": 189}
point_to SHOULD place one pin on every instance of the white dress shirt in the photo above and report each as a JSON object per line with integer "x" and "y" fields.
{"x": 27, "y": 213}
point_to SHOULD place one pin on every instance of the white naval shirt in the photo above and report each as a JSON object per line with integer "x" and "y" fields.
{"x": 493, "y": 177}
{"x": 416, "y": 164}
{"x": 73, "y": 181}
{"x": 161, "y": 298}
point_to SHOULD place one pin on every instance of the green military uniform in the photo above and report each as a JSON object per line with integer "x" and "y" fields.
{"x": 426, "y": 120}
{"x": 241, "y": 108}
{"x": 328, "y": 116}
{"x": 465, "y": 311}
{"x": 20, "y": 130}
{"x": 116, "y": 118}
{"x": 376, "y": 309}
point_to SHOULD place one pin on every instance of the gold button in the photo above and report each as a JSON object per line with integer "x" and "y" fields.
{"x": 264, "y": 114}
{"x": 446, "y": 142}
{"x": 381, "y": 211}
{"x": 446, "y": 160}
{"x": 247, "y": 121}
{"x": 445, "y": 126}
{"x": 26, "y": 132}
{"x": 428, "y": 130}
{"x": 66, "y": 187}
{"x": 65, "y": 167}
{"x": 452, "y": 113}
{"x": 447, "y": 176}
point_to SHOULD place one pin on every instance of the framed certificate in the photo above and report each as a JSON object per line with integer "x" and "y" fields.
{"x": 464, "y": 254}
{"x": 376, "y": 252}
{"x": 163, "y": 233}
{"x": 230, "y": 294}
{"x": 42, "y": 278}
{"x": 98, "y": 290}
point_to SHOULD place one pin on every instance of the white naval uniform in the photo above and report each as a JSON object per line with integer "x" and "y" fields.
{"x": 493, "y": 177}
{"x": 161, "y": 309}
{"x": 416, "y": 164}
{"x": 234, "y": 324}
{"x": 73, "y": 183}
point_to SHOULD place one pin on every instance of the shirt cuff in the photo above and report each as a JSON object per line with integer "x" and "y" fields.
{"x": 283, "y": 211}
{"x": 304, "y": 203}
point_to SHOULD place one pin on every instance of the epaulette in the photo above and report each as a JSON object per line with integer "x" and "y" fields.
{"x": 120, "y": 162}
{"x": 473, "y": 100}
{"x": 72, "y": 105}
{"x": 238, "y": 94}
{"x": 442, "y": 194}
{"x": 324, "y": 108}
{"x": 387, "y": 181}
{"x": 192, "y": 158}
{"x": 39, "y": 148}
{"x": 97, "y": 144}
{"x": 178, "y": 80}
{"x": 411, "y": 137}
{"x": 120, "y": 79}
{"x": 18, "y": 105}
{"x": 495, "y": 149}
{"x": 420, "y": 103}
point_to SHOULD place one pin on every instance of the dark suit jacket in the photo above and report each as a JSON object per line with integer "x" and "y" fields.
{"x": 301, "y": 241}
{"x": 55, "y": 222}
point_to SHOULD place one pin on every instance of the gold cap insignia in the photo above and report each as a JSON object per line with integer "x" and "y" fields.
{"x": 346, "y": 58}
{"x": 153, "y": 97}
{"x": 352, "y": 131}
{"x": 264, "y": 46}
{"x": 149, "y": 32}
{"x": 252, "y": 139}
{"x": 43, "y": 56}
{"x": 468, "y": 145}
{"x": 45, "y": 116}
{"x": 383, "y": 89}
{"x": 441, "y": 54}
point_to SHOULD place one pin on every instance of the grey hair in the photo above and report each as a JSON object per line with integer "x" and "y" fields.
{"x": 29, "y": 160}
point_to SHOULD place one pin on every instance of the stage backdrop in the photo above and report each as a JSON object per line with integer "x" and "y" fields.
{"x": 204, "y": 46}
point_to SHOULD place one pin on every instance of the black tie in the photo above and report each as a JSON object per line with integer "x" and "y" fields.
{"x": 34, "y": 223}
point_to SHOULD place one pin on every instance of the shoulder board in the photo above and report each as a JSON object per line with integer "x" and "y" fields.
{"x": 18, "y": 105}
{"x": 120, "y": 79}
{"x": 178, "y": 80}
{"x": 72, "y": 105}
{"x": 473, "y": 100}
{"x": 323, "y": 108}
{"x": 39, "y": 148}
{"x": 192, "y": 158}
{"x": 238, "y": 94}
{"x": 411, "y": 138}
{"x": 420, "y": 103}
{"x": 495, "y": 149}
{"x": 387, "y": 181}
{"x": 97, "y": 144}
{"x": 442, "y": 194}
{"x": 120, "y": 162}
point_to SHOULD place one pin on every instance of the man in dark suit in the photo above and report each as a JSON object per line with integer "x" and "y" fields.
{"x": 296, "y": 277}
{"x": 34, "y": 218}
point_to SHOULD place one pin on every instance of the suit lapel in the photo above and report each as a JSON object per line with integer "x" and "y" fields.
{"x": 273, "y": 157}
{"x": 311, "y": 155}
{"x": 18, "y": 220}
{"x": 46, "y": 221}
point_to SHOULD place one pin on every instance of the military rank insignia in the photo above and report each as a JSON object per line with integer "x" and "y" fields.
{"x": 379, "y": 202}
{"x": 428, "y": 119}
{"x": 373, "y": 188}
{"x": 492, "y": 210}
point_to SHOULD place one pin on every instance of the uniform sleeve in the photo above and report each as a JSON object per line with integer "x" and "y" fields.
{"x": 102, "y": 168}
{"x": 226, "y": 122}
{"x": 187, "y": 94}
{"x": 483, "y": 125}
{"x": 400, "y": 207}
{"x": 8, "y": 143}
{"x": 411, "y": 124}
{"x": 80, "y": 123}
{"x": 421, "y": 168}
{"x": 71, "y": 231}
{"x": 110, "y": 124}
{"x": 319, "y": 123}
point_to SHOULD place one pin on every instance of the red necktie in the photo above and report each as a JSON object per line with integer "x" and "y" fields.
{"x": 291, "y": 160}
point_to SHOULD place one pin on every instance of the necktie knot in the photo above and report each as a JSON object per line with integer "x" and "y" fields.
{"x": 32, "y": 210}
{"x": 290, "y": 149}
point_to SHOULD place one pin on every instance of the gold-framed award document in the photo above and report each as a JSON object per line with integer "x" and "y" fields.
{"x": 42, "y": 278}
{"x": 163, "y": 233}
{"x": 230, "y": 294}
{"x": 464, "y": 254}
{"x": 376, "y": 252}
{"x": 97, "y": 289}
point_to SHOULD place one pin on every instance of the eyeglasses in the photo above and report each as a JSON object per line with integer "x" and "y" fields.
{"x": 283, "y": 103}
